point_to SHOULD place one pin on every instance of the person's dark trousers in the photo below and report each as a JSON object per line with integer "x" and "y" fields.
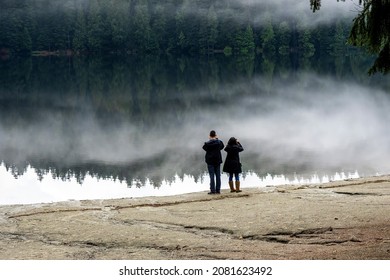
{"x": 215, "y": 178}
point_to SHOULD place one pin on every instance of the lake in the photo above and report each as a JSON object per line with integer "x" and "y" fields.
{"x": 125, "y": 126}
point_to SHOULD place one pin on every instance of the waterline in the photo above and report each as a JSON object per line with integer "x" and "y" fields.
{"x": 29, "y": 188}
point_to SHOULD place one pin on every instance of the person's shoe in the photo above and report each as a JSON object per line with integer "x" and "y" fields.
{"x": 231, "y": 186}
{"x": 238, "y": 186}
{"x": 211, "y": 193}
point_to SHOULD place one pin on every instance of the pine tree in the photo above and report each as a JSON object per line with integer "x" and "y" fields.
{"x": 14, "y": 33}
{"x": 159, "y": 26}
{"x": 284, "y": 38}
{"x": 94, "y": 27}
{"x": 306, "y": 47}
{"x": 212, "y": 26}
{"x": 245, "y": 43}
{"x": 80, "y": 39}
{"x": 143, "y": 36}
{"x": 338, "y": 44}
{"x": 371, "y": 30}
{"x": 268, "y": 36}
{"x": 180, "y": 29}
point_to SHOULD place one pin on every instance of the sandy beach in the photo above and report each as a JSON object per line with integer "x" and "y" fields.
{"x": 338, "y": 220}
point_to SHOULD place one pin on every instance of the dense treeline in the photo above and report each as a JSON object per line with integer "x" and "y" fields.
{"x": 154, "y": 26}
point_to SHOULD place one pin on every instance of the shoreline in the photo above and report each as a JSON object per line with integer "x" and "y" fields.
{"x": 337, "y": 220}
{"x": 53, "y": 190}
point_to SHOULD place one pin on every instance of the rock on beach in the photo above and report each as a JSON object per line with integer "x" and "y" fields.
{"x": 337, "y": 220}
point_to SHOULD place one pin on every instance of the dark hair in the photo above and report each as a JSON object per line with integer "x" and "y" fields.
{"x": 232, "y": 141}
{"x": 213, "y": 133}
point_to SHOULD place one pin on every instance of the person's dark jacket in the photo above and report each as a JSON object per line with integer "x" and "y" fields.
{"x": 213, "y": 149}
{"x": 232, "y": 161}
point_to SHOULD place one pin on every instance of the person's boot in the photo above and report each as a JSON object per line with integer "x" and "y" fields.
{"x": 231, "y": 186}
{"x": 238, "y": 186}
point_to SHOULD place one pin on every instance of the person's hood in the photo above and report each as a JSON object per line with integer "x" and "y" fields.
{"x": 213, "y": 142}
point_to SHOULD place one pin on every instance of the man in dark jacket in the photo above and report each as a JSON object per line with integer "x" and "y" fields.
{"x": 213, "y": 159}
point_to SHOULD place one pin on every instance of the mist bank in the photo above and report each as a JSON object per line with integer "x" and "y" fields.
{"x": 320, "y": 123}
{"x": 309, "y": 124}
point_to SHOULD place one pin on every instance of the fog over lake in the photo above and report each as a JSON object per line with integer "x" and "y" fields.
{"x": 312, "y": 121}
{"x": 144, "y": 137}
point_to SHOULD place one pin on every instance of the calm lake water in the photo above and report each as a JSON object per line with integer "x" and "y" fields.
{"x": 87, "y": 128}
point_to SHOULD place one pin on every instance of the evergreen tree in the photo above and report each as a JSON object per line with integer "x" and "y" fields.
{"x": 268, "y": 38}
{"x": 44, "y": 16}
{"x": 14, "y": 34}
{"x": 159, "y": 27}
{"x": 189, "y": 24}
{"x": 212, "y": 27}
{"x": 315, "y": 5}
{"x": 94, "y": 27}
{"x": 371, "y": 30}
{"x": 25, "y": 44}
{"x": 284, "y": 38}
{"x": 245, "y": 43}
{"x": 227, "y": 27}
{"x": 182, "y": 42}
{"x": 80, "y": 39}
{"x": 306, "y": 48}
{"x": 208, "y": 31}
{"x": 339, "y": 41}
{"x": 143, "y": 36}
{"x": 60, "y": 22}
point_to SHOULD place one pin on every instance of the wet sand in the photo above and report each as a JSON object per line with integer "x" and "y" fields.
{"x": 338, "y": 220}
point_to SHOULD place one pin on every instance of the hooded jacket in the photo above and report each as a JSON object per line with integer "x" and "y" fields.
{"x": 213, "y": 149}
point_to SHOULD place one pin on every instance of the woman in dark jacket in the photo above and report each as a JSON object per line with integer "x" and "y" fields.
{"x": 232, "y": 163}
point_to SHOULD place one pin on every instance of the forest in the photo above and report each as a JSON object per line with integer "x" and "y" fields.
{"x": 69, "y": 27}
